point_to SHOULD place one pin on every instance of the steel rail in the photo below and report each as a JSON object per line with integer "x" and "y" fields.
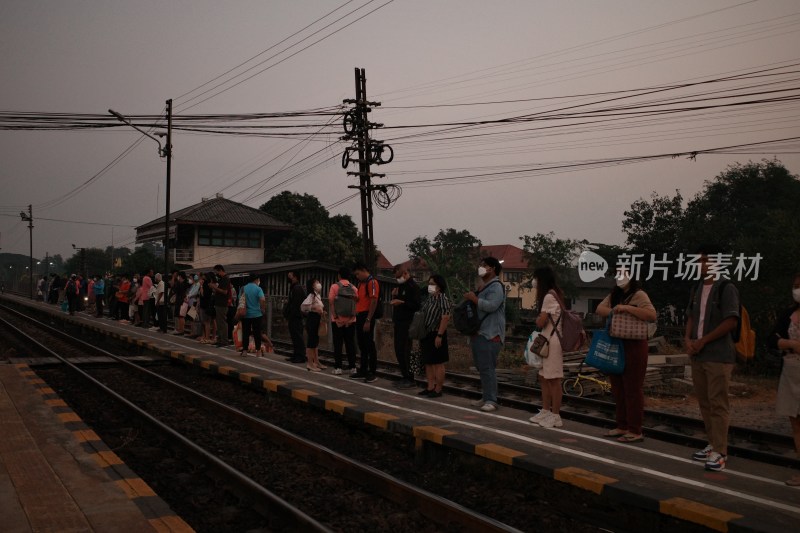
{"x": 434, "y": 507}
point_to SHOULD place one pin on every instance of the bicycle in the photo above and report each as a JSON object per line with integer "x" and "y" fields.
{"x": 573, "y": 386}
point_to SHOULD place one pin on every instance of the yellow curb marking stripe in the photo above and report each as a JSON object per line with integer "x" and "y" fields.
{"x": 337, "y": 406}
{"x": 498, "y": 453}
{"x": 86, "y": 435}
{"x": 135, "y": 488}
{"x": 207, "y": 364}
{"x": 380, "y": 420}
{"x": 36, "y": 381}
{"x": 698, "y": 513}
{"x": 303, "y": 394}
{"x": 247, "y": 377}
{"x": 190, "y": 358}
{"x": 583, "y": 479}
{"x": 225, "y": 370}
{"x": 170, "y": 524}
{"x": 56, "y": 403}
{"x": 21, "y": 365}
{"x": 46, "y": 390}
{"x": 432, "y": 433}
{"x": 272, "y": 384}
{"x": 107, "y": 458}
{"x": 69, "y": 417}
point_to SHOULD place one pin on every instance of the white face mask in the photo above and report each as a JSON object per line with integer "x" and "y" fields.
{"x": 534, "y": 284}
{"x": 317, "y": 286}
{"x": 400, "y": 280}
{"x": 481, "y": 271}
{"x": 622, "y": 283}
{"x": 796, "y": 295}
{"x": 431, "y": 289}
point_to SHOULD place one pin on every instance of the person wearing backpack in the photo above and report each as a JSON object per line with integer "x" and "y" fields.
{"x": 628, "y": 388}
{"x": 786, "y": 338}
{"x": 405, "y": 302}
{"x": 488, "y": 341}
{"x": 342, "y": 298}
{"x": 712, "y": 316}
{"x": 549, "y": 298}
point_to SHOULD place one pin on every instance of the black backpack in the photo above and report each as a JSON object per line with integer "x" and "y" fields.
{"x": 465, "y": 316}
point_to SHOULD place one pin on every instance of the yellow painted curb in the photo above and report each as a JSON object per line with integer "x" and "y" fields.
{"x": 699, "y": 513}
{"x": 272, "y": 384}
{"x": 248, "y": 377}
{"x": 303, "y": 394}
{"x": 380, "y": 420}
{"x": 498, "y": 453}
{"x": 583, "y": 479}
{"x": 337, "y": 406}
{"x": 432, "y": 433}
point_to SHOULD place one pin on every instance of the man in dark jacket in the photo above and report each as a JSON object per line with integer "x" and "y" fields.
{"x": 405, "y": 302}
{"x": 293, "y": 314}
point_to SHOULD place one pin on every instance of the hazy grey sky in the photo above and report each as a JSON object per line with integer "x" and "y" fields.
{"x": 88, "y": 56}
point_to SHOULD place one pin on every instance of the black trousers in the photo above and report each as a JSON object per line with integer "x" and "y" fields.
{"x": 366, "y": 344}
{"x": 344, "y": 335}
{"x": 402, "y": 347}
{"x": 298, "y": 344}
{"x": 161, "y": 314}
{"x": 98, "y": 305}
{"x": 251, "y": 325}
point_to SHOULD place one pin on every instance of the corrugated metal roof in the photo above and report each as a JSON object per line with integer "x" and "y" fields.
{"x": 219, "y": 211}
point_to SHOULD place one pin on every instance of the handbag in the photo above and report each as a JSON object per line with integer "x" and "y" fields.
{"x": 541, "y": 346}
{"x": 606, "y": 353}
{"x": 241, "y": 309}
{"x": 192, "y": 313}
{"x": 322, "y": 331}
{"x": 531, "y": 358}
{"x": 417, "y": 329}
{"x": 626, "y": 326}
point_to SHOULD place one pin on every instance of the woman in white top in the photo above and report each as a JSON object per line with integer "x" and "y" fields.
{"x": 314, "y": 309}
{"x": 549, "y": 302}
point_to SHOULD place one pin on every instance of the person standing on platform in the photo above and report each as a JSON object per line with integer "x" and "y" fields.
{"x": 405, "y": 302}
{"x": 160, "y": 304}
{"x": 221, "y": 289}
{"x": 99, "y": 289}
{"x": 435, "y": 353}
{"x": 255, "y": 307}
{"x": 367, "y": 312}
{"x": 713, "y": 314}
{"x": 342, "y": 298}
{"x": 72, "y": 294}
{"x": 487, "y": 343}
{"x": 294, "y": 317}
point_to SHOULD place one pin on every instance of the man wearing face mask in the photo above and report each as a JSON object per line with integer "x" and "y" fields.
{"x": 487, "y": 343}
{"x": 294, "y": 316}
{"x": 713, "y": 314}
{"x": 405, "y": 302}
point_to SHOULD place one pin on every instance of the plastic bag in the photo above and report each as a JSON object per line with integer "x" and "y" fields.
{"x": 607, "y": 353}
{"x": 531, "y": 358}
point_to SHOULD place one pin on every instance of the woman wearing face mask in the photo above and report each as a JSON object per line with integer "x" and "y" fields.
{"x": 314, "y": 309}
{"x": 786, "y": 337}
{"x": 628, "y": 388}
{"x": 435, "y": 354}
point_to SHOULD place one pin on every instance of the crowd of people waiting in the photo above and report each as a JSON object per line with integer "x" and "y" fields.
{"x": 211, "y": 301}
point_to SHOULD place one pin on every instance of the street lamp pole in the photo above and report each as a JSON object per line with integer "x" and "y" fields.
{"x": 165, "y": 151}
{"x": 29, "y": 219}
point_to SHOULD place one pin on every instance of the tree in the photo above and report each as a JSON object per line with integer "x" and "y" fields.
{"x": 315, "y": 234}
{"x": 560, "y": 254}
{"x": 452, "y": 254}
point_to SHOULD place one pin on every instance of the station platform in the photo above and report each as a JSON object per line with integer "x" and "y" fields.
{"x": 57, "y": 475}
{"x": 651, "y": 476}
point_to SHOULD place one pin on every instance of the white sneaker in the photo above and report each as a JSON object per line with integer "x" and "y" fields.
{"x": 477, "y": 403}
{"x": 488, "y": 407}
{"x": 551, "y": 421}
{"x": 540, "y": 416}
{"x": 337, "y": 371}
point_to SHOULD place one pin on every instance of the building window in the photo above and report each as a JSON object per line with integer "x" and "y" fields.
{"x": 229, "y": 237}
{"x": 512, "y": 277}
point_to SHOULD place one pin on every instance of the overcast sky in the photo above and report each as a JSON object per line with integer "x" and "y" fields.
{"x": 505, "y": 58}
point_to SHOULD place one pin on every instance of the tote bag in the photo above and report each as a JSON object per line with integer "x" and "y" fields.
{"x": 606, "y": 354}
{"x": 625, "y": 326}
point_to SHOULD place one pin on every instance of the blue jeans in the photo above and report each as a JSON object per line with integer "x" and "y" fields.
{"x": 484, "y": 355}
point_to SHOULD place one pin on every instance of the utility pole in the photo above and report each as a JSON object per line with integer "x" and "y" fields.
{"x": 356, "y": 128}
{"x": 29, "y": 219}
{"x": 168, "y": 153}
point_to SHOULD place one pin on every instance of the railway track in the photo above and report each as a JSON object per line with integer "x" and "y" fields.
{"x": 744, "y": 442}
{"x": 208, "y": 412}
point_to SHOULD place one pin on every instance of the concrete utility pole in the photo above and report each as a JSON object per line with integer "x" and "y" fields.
{"x": 356, "y": 128}
{"x": 29, "y": 219}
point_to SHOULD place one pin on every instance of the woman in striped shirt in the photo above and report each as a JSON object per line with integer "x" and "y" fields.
{"x": 434, "y": 346}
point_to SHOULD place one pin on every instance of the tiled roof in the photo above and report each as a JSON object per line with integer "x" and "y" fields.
{"x": 222, "y": 212}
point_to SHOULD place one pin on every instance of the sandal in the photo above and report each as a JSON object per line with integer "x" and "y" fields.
{"x": 630, "y": 438}
{"x": 614, "y": 433}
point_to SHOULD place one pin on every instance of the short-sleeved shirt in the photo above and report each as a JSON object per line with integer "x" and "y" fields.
{"x": 253, "y": 294}
{"x": 434, "y": 308}
{"x": 367, "y": 291}
{"x": 221, "y": 298}
{"x": 720, "y": 305}
{"x": 639, "y": 299}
